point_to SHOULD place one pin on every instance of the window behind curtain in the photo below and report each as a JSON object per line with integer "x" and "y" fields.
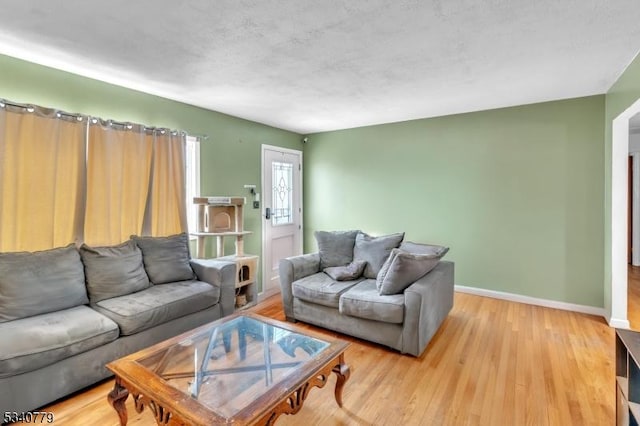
{"x": 192, "y": 180}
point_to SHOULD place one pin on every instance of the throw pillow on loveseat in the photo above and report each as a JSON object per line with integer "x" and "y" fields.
{"x": 375, "y": 251}
{"x": 392, "y": 262}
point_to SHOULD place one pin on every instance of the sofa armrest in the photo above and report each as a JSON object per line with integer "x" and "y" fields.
{"x": 427, "y": 303}
{"x": 220, "y": 274}
{"x": 292, "y": 269}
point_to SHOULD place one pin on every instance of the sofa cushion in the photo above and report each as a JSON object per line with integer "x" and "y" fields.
{"x": 166, "y": 259}
{"x": 44, "y": 339}
{"x": 364, "y": 301}
{"x": 375, "y": 250}
{"x": 347, "y": 272}
{"x": 33, "y": 283}
{"x": 403, "y": 269}
{"x": 113, "y": 271}
{"x": 158, "y": 304}
{"x": 335, "y": 247}
{"x": 320, "y": 288}
{"x": 419, "y": 248}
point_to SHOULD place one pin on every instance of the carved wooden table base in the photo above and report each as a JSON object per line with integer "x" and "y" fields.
{"x": 117, "y": 398}
{"x": 294, "y": 402}
{"x": 290, "y": 405}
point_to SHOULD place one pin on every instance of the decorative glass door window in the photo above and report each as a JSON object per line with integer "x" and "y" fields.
{"x": 282, "y": 193}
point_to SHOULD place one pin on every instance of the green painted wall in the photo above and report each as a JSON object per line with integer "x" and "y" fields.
{"x": 230, "y": 158}
{"x": 516, "y": 193}
{"x": 622, "y": 94}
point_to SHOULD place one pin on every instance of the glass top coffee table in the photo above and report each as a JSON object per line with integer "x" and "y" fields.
{"x": 241, "y": 369}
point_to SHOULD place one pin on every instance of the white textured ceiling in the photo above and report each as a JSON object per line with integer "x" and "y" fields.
{"x": 310, "y": 66}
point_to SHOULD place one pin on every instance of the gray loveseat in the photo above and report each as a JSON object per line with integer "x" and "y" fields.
{"x": 66, "y": 312}
{"x": 381, "y": 289}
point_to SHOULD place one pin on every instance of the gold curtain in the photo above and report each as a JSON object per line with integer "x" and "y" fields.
{"x": 66, "y": 179}
{"x": 42, "y": 176}
{"x": 166, "y": 208}
{"x": 118, "y": 171}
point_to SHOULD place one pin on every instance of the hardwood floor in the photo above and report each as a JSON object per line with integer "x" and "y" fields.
{"x": 633, "y": 297}
{"x": 492, "y": 362}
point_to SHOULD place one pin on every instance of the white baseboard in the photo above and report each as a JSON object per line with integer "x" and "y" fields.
{"x": 591, "y": 310}
{"x": 619, "y": 323}
{"x": 267, "y": 294}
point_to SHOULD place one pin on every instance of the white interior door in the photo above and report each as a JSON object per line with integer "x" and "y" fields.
{"x": 281, "y": 211}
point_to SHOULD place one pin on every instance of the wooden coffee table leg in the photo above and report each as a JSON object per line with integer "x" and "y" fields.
{"x": 342, "y": 373}
{"x": 117, "y": 398}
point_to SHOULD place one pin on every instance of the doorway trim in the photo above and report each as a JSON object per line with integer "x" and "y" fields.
{"x": 635, "y": 206}
{"x": 619, "y": 221}
{"x": 262, "y": 295}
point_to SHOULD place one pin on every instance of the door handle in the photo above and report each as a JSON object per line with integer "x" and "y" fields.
{"x": 267, "y": 213}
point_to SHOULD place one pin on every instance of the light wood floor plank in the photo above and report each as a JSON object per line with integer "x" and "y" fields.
{"x": 493, "y": 362}
{"x": 633, "y": 297}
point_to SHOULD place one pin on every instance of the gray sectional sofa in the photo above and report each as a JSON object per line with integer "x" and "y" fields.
{"x": 382, "y": 289}
{"x": 66, "y": 312}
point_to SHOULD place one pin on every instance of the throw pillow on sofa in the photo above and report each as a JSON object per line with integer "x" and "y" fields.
{"x": 335, "y": 247}
{"x": 34, "y": 283}
{"x": 348, "y": 272}
{"x": 375, "y": 251}
{"x": 402, "y": 269}
{"x": 113, "y": 271}
{"x": 166, "y": 259}
{"x": 420, "y": 248}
